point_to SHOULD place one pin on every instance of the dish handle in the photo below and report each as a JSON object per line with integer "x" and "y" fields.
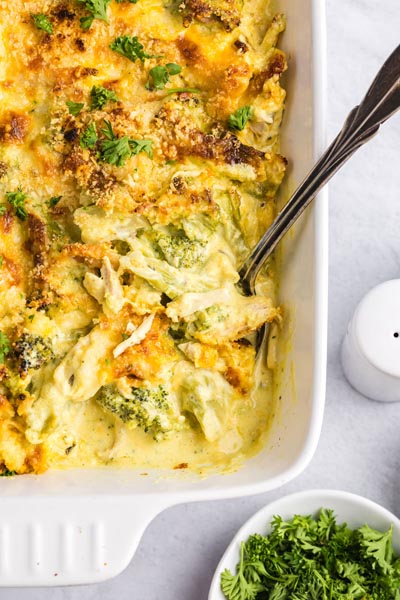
{"x": 53, "y": 540}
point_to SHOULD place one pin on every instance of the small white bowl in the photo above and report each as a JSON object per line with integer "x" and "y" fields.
{"x": 348, "y": 508}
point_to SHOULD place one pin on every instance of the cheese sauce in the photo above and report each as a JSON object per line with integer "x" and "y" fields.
{"x": 139, "y": 164}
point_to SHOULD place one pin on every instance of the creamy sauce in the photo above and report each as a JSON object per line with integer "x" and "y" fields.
{"x": 122, "y": 229}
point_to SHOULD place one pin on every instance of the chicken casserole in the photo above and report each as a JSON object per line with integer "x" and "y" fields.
{"x": 139, "y": 164}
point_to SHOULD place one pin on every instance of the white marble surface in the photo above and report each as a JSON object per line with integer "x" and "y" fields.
{"x": 359, "y": 448}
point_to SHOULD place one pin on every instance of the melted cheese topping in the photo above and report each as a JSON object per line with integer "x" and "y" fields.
{"x": 132, "y": 186}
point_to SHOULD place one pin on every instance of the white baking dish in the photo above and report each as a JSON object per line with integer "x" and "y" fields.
{"x": 84, "y": 526}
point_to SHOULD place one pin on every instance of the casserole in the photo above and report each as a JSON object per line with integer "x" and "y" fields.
{"x": 121, "y": 327}
{"x": 83, "y": 526}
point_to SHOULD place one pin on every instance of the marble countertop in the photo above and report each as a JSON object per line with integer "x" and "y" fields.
{"x": 359, "y": 450}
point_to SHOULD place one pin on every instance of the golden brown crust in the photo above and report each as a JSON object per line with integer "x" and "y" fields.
{"x": 227, "y": 11}
{"x": 14, "y": 127}
{"x": 84, "y": 236}
{"x": 38, "y": 246}
{"x": 143, "y": 361}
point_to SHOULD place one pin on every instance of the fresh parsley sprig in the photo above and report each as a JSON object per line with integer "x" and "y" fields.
{"x": 99, "y": 96}
{"x": 97, "y": 10}
{"x": 116, "y": 150}
{"x": 130, "y": 47}
{"x": 238, "y": 120}
{"x": 237, "y": 587}
{"x": 42, "y": 22}
{"x": 74, "y": 108}
{"x": 315, "y": 559}
{"x": 89, "y": 137}
{"x": 159, "y": 76}
{"x": 17, "y": 200}
{"x": 5, "y": 347}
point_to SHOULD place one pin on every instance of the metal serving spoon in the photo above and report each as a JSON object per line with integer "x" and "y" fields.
{"x": 380, "y": 103}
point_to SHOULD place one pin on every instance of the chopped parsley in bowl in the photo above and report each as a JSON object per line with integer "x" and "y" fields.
{"x": 318, "y": 545}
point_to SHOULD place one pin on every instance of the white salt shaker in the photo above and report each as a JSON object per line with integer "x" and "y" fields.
{"x": 371, "y": 348}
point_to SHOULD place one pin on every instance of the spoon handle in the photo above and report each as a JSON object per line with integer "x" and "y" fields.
{"x": 381, "y": 102}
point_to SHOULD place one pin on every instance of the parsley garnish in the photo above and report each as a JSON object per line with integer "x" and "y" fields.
{"x": 159, "y": 76}
{"x": 1, "y": 261}
{"x": 238, "y": 120}
{"x": 99, "y": 96}
{"x": 17, "y": 200}
{"x": 130, "y": 47}
{"x": 181, "y": 90}
{"x": 2, "y": 209}
{"x": 97, "y": 10}
{"x": 115, "y": 150}
{"x": 5, "y": 347}
{"x": 315, "y": 559}
{"x": 89, "y": 137}
{"x": 130, "y": 1}
{"x": 54, "y": 200}
{"x": 74, "y": 108}
{"x": 8, "y": 473}
{"x": 42, "y": 22}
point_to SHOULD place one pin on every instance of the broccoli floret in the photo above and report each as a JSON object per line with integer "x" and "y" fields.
{"x": 147, "y": 260}
{"x": 175, "y": 246}
{"x": 146, "y": 408}
{"x": 31, "y": 352}
{"x": 180, "y": 251}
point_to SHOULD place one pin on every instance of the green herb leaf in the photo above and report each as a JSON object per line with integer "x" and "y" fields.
{"x": 17, "y": 200}
{"x": 173, "y": 68}
{"x": 378, "y": 545}
{"x": 99, "y": 96}
{"x": 107, "y": 131}
{"x": 130, "y": 1}
{"x": 116, "y": 151}
{"x": 54, "y": 200}
{"x": 143, "y": 145}
{"x": 89, "y": 137}
{"x": 86, "y": 22}
{"x": 97, "y": 10}
{"x": 130, "y": 47}
{"x": 238, "y": 120}
{"x": 1, "y": 261}
{"x": 42, "y": 22}
{"x": 2, "y": 209}
{"x": 183, "y": 89}
{"x": 8, "y": 473}
{"x": 159, "y": 76}
{"x": 315, "y": 559}
{"x": 74, "y": 108}
{"x": 235, "y": 587}
{"x": 5, "y": 347}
